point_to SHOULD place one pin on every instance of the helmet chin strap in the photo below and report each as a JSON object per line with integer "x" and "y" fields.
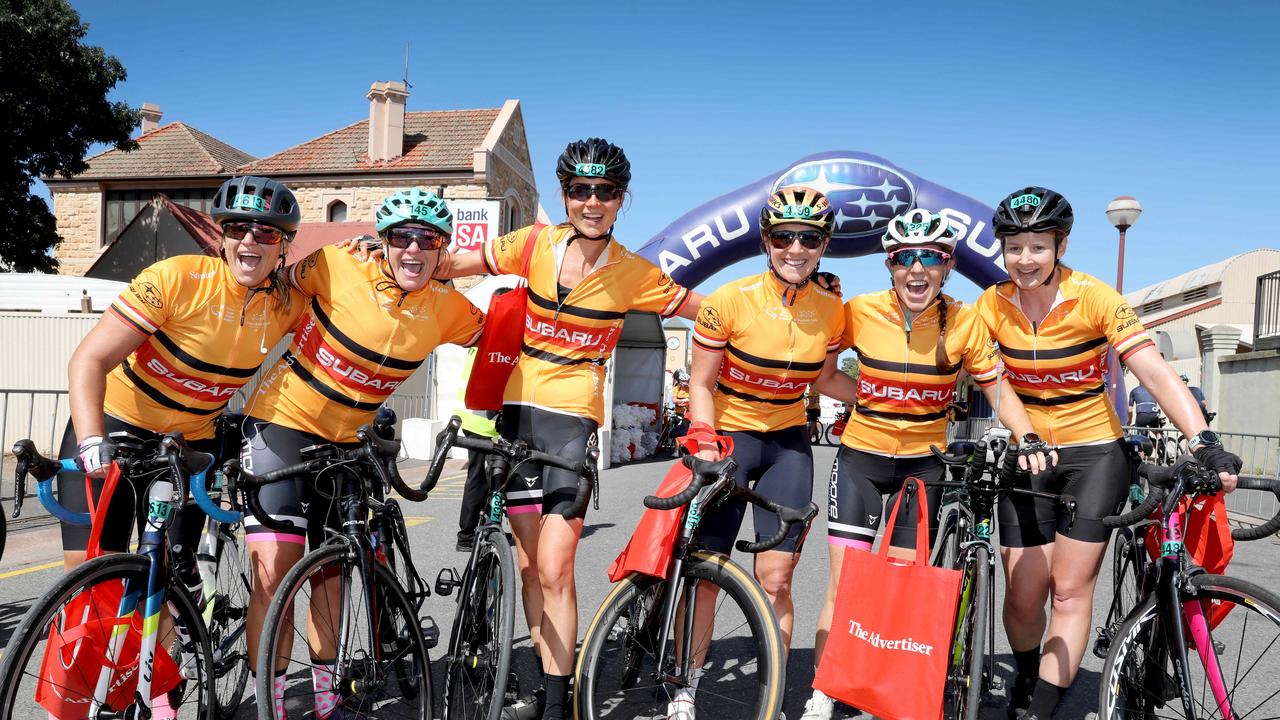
{"x": 788, "y": 296}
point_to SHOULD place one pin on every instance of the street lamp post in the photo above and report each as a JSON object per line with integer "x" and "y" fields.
{"x": 1123, "y": 212}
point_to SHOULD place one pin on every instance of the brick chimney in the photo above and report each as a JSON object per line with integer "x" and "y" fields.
{"x": 150, "y": 117}
{"x": 386, "y": 120}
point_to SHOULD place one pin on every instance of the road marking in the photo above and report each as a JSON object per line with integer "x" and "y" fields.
{"x": 34, "y": 568}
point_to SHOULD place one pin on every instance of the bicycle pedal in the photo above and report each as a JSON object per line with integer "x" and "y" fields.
{"x": 447, "y": 581}
{"x": 430, "y": 631}
{"x": 511, "y": 694}
{"x": 996, "y": 683}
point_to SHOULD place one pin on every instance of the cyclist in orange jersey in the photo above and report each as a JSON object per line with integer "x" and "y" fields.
{"x": 911, "y": 342}
{"x": 1054, "y": 326}
{"x": 175, "y": 347}
{"x": 368, "y": 325}
{"x": 581, "y": 284}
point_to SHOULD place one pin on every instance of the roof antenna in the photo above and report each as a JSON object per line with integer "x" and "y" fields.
{"x": 406, "y": 67}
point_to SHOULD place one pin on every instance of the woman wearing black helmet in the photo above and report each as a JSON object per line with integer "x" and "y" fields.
{"x": 1054, "y": 326}
{"x": 581, "y": 283}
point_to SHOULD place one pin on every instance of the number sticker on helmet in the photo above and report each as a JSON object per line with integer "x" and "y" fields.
{"x": 918, "y": 227}
{"x": 421, "y": 210}
{"x": 251, "y": 202}
{"x": 797, "y": 211}
{"x": 1028, "y": 199}
{"x": 590, "y": 169}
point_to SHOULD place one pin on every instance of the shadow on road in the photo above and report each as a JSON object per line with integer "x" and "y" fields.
{"x": 10, "y": 615}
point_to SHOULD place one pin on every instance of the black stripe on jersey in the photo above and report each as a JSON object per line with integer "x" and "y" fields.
{"x": 917, "y": 417}
{"x": 559, "y": 359}
{"x": 163, "y": 399}
{"x": 1063, "y": 399}
{"x": 385, "y": 361}
{"x": 196, "y": 363}
{"x": 897, "y": 367}
{"x": 752, "y": 398}
{"x": 775, "y": 364}
{"x": 1052, "y": 353}
{"x": 328, "y": 392}
{"x": 553, "y": 306}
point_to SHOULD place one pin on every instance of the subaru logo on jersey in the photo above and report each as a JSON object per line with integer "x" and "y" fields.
{"x": 865, "y": 194}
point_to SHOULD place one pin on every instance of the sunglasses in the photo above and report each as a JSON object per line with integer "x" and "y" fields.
{"x": 401, "y": 238}
{"x": 927, "y": 257}
{"x": 262, "y": 234}
{"x": 606, "y": 192}
{"x": 809, "y": 239}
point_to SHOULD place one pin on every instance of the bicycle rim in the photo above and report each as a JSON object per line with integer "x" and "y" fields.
{"x": 742, "y": 677}
{"x": 20, "y": 669}
{"x": 227, "y": 618}
{"x": 479, "y": 657}
{"x": 1126, "y": 564}
{"x": 965, "y": 680}
{"x": 322, "y": 608}
{"x": 1139, "y": 681}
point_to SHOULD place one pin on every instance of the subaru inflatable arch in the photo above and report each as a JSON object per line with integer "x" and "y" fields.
{"x": 866, "y": 191}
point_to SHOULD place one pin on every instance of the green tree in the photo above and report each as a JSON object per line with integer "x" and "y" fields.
{"x": 53, "y": 106}
{"x": 849, "y": 366}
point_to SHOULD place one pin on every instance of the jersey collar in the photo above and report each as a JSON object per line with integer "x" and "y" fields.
{"x": 787, "y": 293}
{"x": 1069, "y": 287}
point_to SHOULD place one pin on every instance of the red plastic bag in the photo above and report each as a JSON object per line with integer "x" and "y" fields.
{"x": 79, "y": 640}
{"x": 1206, "y": 535}
{"x": 892, "y": 628}
{"x": 653, "y": 542}
{"x": 501, "y": 340}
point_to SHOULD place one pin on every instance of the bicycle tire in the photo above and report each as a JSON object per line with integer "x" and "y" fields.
{"x": 227, "y": 620}
{"x": 830, "y": 434}
{"x": 1128, "y": 563}
{"x": 4, "y": 532}
{"x": 619, "y": 680}
{"x": 965, "y": 676}
{"x": 407, "y": 670}
{"x": 1137, "y": 680}
{"x": 18, "y": 684}
{"x": 947, "y": 552}
{"x": 479, "y": 658}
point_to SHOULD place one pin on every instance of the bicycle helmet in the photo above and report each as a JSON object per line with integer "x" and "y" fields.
{"x": 920, "y": 227}
{"x": 1032, "y": 209}
{"x": 414, "y": 204}
{"x": 259, "y": 199}
{"x": 593, "y": 158}
{"x": 681, "y": 375}
{"x": 797, "y": 204}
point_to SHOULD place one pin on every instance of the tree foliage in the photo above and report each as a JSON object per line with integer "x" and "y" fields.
{"x": 53, "y": 107}
{"x": 849, "y": 366}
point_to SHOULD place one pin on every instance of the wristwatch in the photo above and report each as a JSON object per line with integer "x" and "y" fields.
{"x": 1030, "y": 438}
{"x": 1204, "y": 438}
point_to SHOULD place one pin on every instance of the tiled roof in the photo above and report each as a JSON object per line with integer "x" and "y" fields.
{"x": 202, "y": 227}
{"x": 433, "y": 140}
{"x": 314, "y": 235}
{"x": 174, "y": 150}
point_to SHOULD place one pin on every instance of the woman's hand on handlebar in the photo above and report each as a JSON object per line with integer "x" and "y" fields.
{"x": 1036, "y": 460}
{"x": 709, "y": 452}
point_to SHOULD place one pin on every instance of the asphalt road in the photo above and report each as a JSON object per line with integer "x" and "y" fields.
{"x": 33, "y": 560}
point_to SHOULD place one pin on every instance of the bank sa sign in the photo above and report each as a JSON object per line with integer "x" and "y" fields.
{"x": 474, "y": 222}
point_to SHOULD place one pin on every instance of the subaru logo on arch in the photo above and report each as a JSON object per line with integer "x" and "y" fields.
{"x": 866, "y": 195}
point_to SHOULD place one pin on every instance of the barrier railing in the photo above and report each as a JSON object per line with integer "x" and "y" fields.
{"x": 37, "y": 414}
{"x": 1266, "y": 312}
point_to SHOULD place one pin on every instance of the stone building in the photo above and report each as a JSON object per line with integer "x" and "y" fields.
{"x": 340, "y": 176}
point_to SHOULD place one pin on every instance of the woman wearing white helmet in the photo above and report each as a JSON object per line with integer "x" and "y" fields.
{"x": 911, "y": 342}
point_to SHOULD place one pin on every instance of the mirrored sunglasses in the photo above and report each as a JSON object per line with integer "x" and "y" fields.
{"x": 928, "y": 257}
{"x": 809, "y": 239}
{"x": 262, "y": 234}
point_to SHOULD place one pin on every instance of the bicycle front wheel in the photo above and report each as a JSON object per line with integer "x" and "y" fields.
{"x": 226, "y": 615}
{"x": 79, "y": 600}
{"x": 367, "y": 658}
{"x": 741, "y": 678}
{"x": 965, "y": 672}
{"x": 1234, "y": 675}
{"x": 1128, "y": 562}
{"x": 479, "y": 657}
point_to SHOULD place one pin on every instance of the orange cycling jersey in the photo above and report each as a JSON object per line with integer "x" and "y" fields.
{"x": 360, "y": 339}
{"x": 902, "y": 393}
{"x": 1058, "y": 367}
{"x": 567, "y": 342}
{"x": 206, "y": 336}
{"x": 772, "y": 349}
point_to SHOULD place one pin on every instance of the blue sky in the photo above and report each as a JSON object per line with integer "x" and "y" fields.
{"x": 1175, "y": 103}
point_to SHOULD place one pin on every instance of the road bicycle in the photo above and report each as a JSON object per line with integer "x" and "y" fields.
{"x": 964, "y": 543}
{"x": 672, "y": 423}
{"x": 642, "y": 647}
{"x": 1195, "y": 644}
{"x": 478, "y": 680}
{"x": 833, "y": 432}
{"x": 362, "y": 620}
{"x": 96, "y": 644}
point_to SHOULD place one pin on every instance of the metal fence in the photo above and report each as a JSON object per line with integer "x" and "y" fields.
{"x": 1266, "y": 312}
{"x": 37, "y": 414}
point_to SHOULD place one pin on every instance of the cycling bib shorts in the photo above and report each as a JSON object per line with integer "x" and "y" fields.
{"x": 532, "y": 487}
{"x": 1096, "y": 475}
{"x": 856, "y": 504}
{"x": 777, "y": 464}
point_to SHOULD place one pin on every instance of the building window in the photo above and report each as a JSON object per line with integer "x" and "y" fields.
{"x": 122, "y": 206}
{"x": 514, "y": 217}
{"x": 337, "y": 211}
{"x": 1197, "y": 294}
{"x": 1153, "y": 306}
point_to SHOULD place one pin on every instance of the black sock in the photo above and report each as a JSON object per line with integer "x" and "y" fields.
{"x": 1045, "y": 699}
{"x": 1027, "y": 662}
{"x": 557, "y": 697}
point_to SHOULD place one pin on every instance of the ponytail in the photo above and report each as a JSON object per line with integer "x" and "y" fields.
{"x": 940, "y": 352}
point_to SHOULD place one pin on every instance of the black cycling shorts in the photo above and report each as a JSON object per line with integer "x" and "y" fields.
{"x": 310, "y": 504}
{"x": 127, "y": 509}
{"x": 812, "y": 414}
{"x": 856, "y": 504}
{"x": 532, "y": 487}
{"x": 1096, "y": 475}
{"x": 778, "y": 464}
{"x": 1146, "y": 419}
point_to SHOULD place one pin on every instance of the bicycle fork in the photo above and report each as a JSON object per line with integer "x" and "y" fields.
{"x": 674, "y": 590}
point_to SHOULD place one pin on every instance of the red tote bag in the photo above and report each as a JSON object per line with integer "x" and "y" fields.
{"x": 891, "y": 632}
{"x": 499, "y": 347}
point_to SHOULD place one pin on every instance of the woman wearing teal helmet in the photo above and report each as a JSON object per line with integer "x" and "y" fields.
{"x": 368, "y": 326}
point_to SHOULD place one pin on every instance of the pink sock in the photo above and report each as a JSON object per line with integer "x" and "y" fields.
{"x": 160, "y": 709}
{"x": 277, "y": 694}
{"x": 322, "y": 679}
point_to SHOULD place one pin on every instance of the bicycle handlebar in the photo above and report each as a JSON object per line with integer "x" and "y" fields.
{"x": 30, "y": 461}
{"x": 1268, "y": 528}
{"x": 703, "y": 470}
{"x": 1199, "y": 480}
